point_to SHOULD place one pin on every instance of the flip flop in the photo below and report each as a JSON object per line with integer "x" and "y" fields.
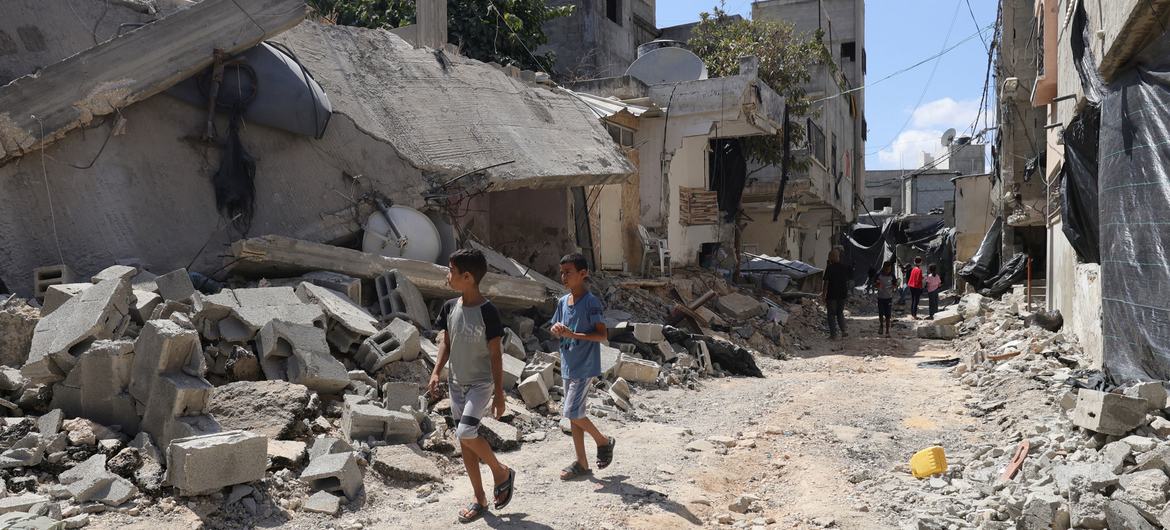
{"x": 575, "y": 471}
{"x": 506, "y": 487}
{"x": 605, "y": 454}
{"x": 472, "y": 512}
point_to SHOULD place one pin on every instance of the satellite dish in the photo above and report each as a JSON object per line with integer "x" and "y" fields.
{"x": 667, "y": 65}
{"x": 408, "y": 234}
{"x": 948, "y": 137}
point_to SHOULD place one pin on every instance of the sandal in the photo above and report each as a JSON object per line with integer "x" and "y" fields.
{"x": 505, "y": 488}
{"x": 575, "y": 471}
{"x": 605, "y": 454}
{"x": 472, "y": 512}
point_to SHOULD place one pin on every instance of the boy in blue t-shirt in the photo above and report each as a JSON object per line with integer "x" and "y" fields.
{"x": 578, "y": 323}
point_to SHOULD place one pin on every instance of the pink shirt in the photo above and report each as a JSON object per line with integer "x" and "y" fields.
{"x": 933, "y": 281}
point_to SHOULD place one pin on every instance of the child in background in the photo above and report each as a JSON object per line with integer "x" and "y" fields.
{"x": 914, "y": 281}
{"x": 933, "y": 286}
{"x": 885, "y": 283}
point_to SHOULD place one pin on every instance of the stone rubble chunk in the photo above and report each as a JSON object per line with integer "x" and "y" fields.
{"x": 1157, "y": 458}
{"x": 620, "y": 392}
{"x": 398, "y": 341}
{"x": 267, "y": 408}
{"x": 204, "y": 464}
{"x": 1140, "y": 444}
{"x": 499, "y": 435}
{"x": 1149, "y": 486}
{"x": 98, "y": 388}
{"x": 176, "y": 401}
{"x": 286, "y": 452}
{"x": 175, "y": 285}
{"x": 322, "y": 502}
{"x": 26, "y": 452}
{"x": 405, "y": 462}
{"x": 1094, "y": 477}
{"x": 637, "y": 370}
{"x": 1153, "y": 392}
{"x": 145, "y": 302}
{"x": 513, "y": 370}
{"x": 947, "y": 318}
{"x": 398, "y": 394}
{"x": 163, "y": 347}
{"x": 1043, "y": 510}
{"x": 348, "y": 324}
{"x": 20, "y": 503}
{"x": 740, "y": 306}
{"x": 533, "y": 391}
{"x": 1115, "y": 455}
{"x": 299, "y": 354}
{"x": 1108, "y": 413}
{"x": 649, "y": 333}
{"x": 1120, "y": 514}
{"x": 57, "y": 295}
{"x": 324, "y": 445}
{"x": 937, "y": 331}
{"x": 512, "y": 345}
{"x": 49, "y": 424}
{"x": 337, "y": 472}
{"x": 100, "y": 312}
{"x": 244, "y": 312}
{"x": 362, "y": 420}
{"x": 29, "y": 521}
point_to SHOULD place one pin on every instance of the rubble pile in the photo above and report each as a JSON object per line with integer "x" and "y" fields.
{"x": 139, "y": 387}
{"x": 1075, "y": 453}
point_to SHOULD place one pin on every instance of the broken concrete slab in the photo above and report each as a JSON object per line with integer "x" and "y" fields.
{"x": 118, "y": 272}
{"x": 1149, "y": 486}
{"x": 254, "y": 308}
{"x": 1152, "y": 391}
{"x": 324, "y": 445}
{"x": 322, "y": 502}
{"x": 405, "y": 462}
{"x": 1093, "y": 477}
{"x": 267, "y": 408}
{"x": 145, "y": 302}
{"x": 937, "y": 331}
{"x": 89, "y": 481}
{"x": 609, "y": 359}
{"x": 648, "y": 333}
{"x": 163, "y": 347}
{"x": 204, "y": 464}
{"x": 57, "y": 295}
{"x": 1108, "y": 413}
{"x": 512, "y": 345}
{"x": 740, "y": 306}
{"x": 348, "y": 323}
{"x": 619, "y": 391}
{"x": 398, "y": 341}
{"x": 949, "y": 317}
{"x": 26, "y": 452}
{"x": 533, "y": 391}
{"x": 499, "y": 435}
{"x": 637, "y": 370}
{"x": 27, "y": 521}
{"x": 98, "y": 388}
{"x": 175, "y": 286}
{"x": 286, "y": 452}
{"x": 338, "y": 472}
{"x": 101, "y": 312}
{"x": 300, "y": 354}
{"x": 513, "y": 370}
{"x": 398, "y": 394}
{"x": 173, "y": 398}
{"x": 20, "y": 503}
{"x": 362, "y": 420}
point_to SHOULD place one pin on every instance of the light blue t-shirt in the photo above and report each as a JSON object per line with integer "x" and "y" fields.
{"x": 580, "y": 359}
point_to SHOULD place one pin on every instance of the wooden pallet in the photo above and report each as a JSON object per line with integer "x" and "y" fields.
{"x": 698, "y": 206}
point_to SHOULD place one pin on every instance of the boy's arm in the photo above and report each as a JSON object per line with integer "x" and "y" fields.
{"x": 497, "y": 361}
{"x": 444, "y": 353}
{"x": 599, "y": 334}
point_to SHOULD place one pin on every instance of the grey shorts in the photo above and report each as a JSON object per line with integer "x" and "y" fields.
{"x": 468, "y": 405}
{"x": 576, "y": 390}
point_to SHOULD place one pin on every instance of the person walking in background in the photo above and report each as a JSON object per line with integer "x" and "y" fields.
{"x": 835, "y": 291}
{"x": 915, "y": 284}
{"x": 933, "y": 286}
{"x": 884, "y": 283}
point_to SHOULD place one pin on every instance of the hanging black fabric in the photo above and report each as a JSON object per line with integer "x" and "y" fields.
{"x": 728, "y": 175}
{"x": 1012, "y": 272}
{"x": 985, "y": 262}
{"x": 1134, "y": 207}
{"x": 235, "y": 182}
{"x": 1078, "y": 185}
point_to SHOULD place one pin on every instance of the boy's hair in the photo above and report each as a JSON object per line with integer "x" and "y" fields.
{"x": 470, "y": 260}
{"x": 918, "y": 259}
{"x": 933, "y": 268}
{"x": 577, "y": 259}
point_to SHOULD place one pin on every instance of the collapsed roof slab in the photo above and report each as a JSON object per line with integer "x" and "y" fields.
{"x": 38, "y": 109}
{"x": 448, "y": 115}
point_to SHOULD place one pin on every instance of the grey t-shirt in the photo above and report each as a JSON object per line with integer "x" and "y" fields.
{"x": 886, "y": 283}
{"x": 468, "y": 331}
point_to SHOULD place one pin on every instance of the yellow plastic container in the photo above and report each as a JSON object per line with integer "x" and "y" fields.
{"x": 927, "y": 462}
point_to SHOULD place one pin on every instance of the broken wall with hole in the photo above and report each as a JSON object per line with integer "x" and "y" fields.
{"x": 533, "y": 227}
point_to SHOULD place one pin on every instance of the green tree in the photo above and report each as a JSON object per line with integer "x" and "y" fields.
{"x": 787, "y": 61}
{"x": 503, "y": 31}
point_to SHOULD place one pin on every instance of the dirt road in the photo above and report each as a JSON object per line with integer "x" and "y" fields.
{"x": 834, "y": 415}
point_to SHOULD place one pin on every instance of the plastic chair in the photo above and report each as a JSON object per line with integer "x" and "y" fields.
{"x": 654, "y": 245}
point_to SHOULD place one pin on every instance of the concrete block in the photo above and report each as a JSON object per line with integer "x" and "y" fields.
{"x": 144, "y": 305}
{"x": 499, "y": 435}
{"x": 666, "y": 351}
{"x": 609, "y": 360}
{"x": 937, "y": 331}
{"x": 405, "y": 462}
{"x": 362, "y": 420}
{"x": 43, "y": 277}
{"x": 347, "y": 323}
{"x": 299, "y": 353}
{"x": 337, "y": 472}
{"x": 267, "y": 408}
{"x": 100, "y": 312}
{"x": 204, "y": 464}
{"x": 649, "y": 333}
{"x": 174, "y": 396}
{"x": 512, "y": 345}
{"x": 398, "y": 394}
{"x": 534, "y": 391}
{"x": 740, "y": 307}
{"x": 1153, "y": 392}
{"x": 28, "y": 521}
{"x": 254, "y": 308}
{"x": 949, "y": 317}
{"x": 322, "y": 502}
{"x": 286, "y": 452}
{"x": 163, "y": 347}
{"x": 398, "y": 295}
{"x": 49, "y": 424}
{"x": 324, "y": 445}
{"x": 175, "y": 285}
{"x": 57, "y": 295}
{"x": 398, "y": 341}
{"x": 98, "y": 386}
{"x": 513, "y": 370}
{"x": 89, "y": 481}
{"x": 20, "y": 503}
{"x": 637, "y": 370}
{"x": 115, "y": 272}
{"x": 546, "y": 370}
{"x": 1108, "y": 413}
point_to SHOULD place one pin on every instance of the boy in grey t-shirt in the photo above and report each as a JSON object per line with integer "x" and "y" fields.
{"x": 471, "y": 341}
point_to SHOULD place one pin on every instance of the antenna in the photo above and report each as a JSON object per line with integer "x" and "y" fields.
{"x": 948, "y": 137}
{"x": 667, "y": 64}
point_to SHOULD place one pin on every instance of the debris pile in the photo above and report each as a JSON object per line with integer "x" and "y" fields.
{"x": 1075, "y": 452}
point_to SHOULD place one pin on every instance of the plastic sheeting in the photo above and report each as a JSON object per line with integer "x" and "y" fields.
{"x": 1134, "y": 188}
{"x": 1078, "y": 185}
{"x": 986, "y": 260}
{"x": 1012, "y": 272}
{"x": 933, "y": 241}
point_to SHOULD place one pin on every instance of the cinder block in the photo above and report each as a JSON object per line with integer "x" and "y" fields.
{"x": 324, "y": 445}
{"x": 546, "y": 370}
{"x": 347, "y": 323}
{"x": 740, "y": 307}
{"x": 534, "y": 391}
{"x": 98, "y": 387}
{"x": 513, "y": 369}
{"x": 398, "y": 341}
{"x": 362, "y": 420}
{"x": 397, "y": 295}
{"x": 1108, "y": 413}
{"x": 174, "y": 396}
{"x": 100, "y": 312}
{"x": 637, "y": 370}
{"x": 56, "y": 295}
{"x": 398, "y": 394}
{"x": 300, "y": 354}
{"x": 43, "y": 277}
{"x": 204, "y": 464}
{"x": 337, "y": 472}
{"x": 667, "y": 351}
{"x": 649, "y": 333}
{"x": 163, "y": 347}
{"x": 115, "y": 272}
{"x": 175, "y": 285}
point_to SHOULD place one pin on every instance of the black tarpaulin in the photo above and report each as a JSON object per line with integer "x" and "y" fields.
{"x": 1078, "y": 184}
{"x": 985, "y": 262}
{"x": 1134, "y": 207}
{"x": 728, "y": 175}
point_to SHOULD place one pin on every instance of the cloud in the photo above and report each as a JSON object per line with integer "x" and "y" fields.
{"x": 944, "y": 113}
{"x": 924, "y": 132}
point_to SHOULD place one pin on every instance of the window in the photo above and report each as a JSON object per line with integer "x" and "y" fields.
{"x": 623, "y": 136}
{"x": 816, "y": 142}
{"x": 881, "y": 203}
{"x": 613, "y": 10}
{"x": 849, "y": 51}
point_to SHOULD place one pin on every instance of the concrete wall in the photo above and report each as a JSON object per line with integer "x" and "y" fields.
{"x": 590, "y": 45}
{"x": 973, "y": 215}
{"x": 884, "y": 183}
{"x": 929, "y": 191}
{"x": 149, "y": 193}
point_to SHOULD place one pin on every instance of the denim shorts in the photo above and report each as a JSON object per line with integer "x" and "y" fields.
{"x": 576, "y": 390}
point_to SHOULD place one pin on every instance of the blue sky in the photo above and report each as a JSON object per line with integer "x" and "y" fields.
{"x": 900, "y": 33}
